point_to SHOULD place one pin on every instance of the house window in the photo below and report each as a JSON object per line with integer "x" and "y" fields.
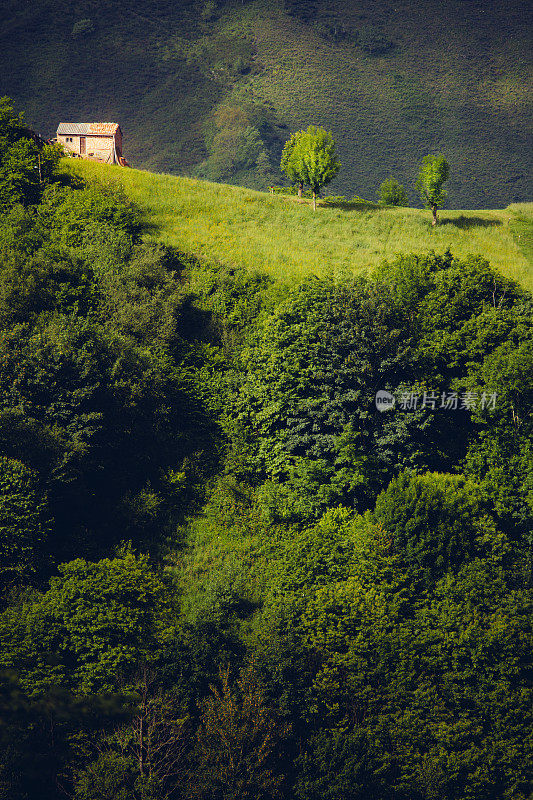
{"x": 69, "y": 138}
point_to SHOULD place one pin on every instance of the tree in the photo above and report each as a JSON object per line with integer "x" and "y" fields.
{"x": 143, "y": 759}
{"x": 405, "y": 693}
{"x": 25, "y": 165}
{"x": 392, "y": 193}
{"x": 310, "y": 158}
{"x": 235, "y": 143}
{"x": 433, "y": 174}
{"x": 238, "y": 742}
{"x": 81, "y": 297}
{"x": 436, "y": 521}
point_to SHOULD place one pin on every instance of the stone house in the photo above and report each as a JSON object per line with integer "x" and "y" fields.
{"x": 101, "y": 141}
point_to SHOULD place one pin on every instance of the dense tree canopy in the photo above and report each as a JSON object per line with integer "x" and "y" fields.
{"x": 314, "y": 367}
{"x": 95, "y": 623}
{"x": 225, "y": 572}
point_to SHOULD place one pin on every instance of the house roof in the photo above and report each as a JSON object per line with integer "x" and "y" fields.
{"x": 87, "y": 128}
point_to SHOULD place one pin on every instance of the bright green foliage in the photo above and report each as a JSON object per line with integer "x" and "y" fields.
{"x": 11, "y": 123}
{"x": 430, "y": 182}
{"x": 317, "y": 555}
{"x": 23, "y": 525}
{"x": 97, "y": 622}
{"x": 309, "y": 158}
{"x": 392, "y": 193}
{"x": 112, "y": 775}
{"x": 288, "y": 164}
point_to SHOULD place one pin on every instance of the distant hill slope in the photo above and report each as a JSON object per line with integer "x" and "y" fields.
{"x": 277, "y": 235}
{"x": 214, "y": 88}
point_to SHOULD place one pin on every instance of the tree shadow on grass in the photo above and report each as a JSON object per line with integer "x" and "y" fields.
{"x": 470, "y": 222}
{"x": 351, "y": 205}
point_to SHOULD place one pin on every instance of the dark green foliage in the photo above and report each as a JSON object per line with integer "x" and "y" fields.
{"x": 406, "y": 696}
{"x": 239, "y": 139}
{"x": 334, "y": 765}
{"x": 350, "y": 614}
{"x": 110, "y": 776}
{"x": 96, "y": 623}
{"x": 94, "y": 351}
{"x": 38, "y": 735}
{"x": 305, "y": 9}
{"x": 23, "y": 523}
{"x": 235, "y": 145}
{"x": 332, "y": 28}
{"x": 372, "y": 40}
{"x": 318, "y": 361}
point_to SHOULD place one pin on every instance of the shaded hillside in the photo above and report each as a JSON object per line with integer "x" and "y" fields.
{"x": 225, "y": 574}
{"x": 214, "y": 89}
{"x": 276, "y": 235}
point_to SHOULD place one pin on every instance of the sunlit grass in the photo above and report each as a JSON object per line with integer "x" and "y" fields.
{"x": 277, "y": 235}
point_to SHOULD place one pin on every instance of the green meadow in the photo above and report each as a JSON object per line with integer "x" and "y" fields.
{"x": 278, "y": 235}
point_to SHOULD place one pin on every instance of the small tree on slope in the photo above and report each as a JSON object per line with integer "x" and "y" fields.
{"x": 310, "y": 158}
{"x": 433, "y": 174}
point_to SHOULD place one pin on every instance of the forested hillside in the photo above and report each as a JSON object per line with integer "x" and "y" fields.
{"x": 226, "y": 573}
{"x": 215, "y": 88}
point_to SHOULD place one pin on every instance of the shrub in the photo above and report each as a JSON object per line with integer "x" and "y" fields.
{"x": 432, "y": 519}
{"x": 392, "y": 193}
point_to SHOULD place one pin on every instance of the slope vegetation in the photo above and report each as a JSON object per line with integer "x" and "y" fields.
{"x": 213, "y": 89}
{"x": 277, "y": 235}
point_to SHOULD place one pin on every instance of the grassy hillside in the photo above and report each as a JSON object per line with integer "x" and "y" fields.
{"x": 277, "y": 235}
{"x": 214, "y": 88}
